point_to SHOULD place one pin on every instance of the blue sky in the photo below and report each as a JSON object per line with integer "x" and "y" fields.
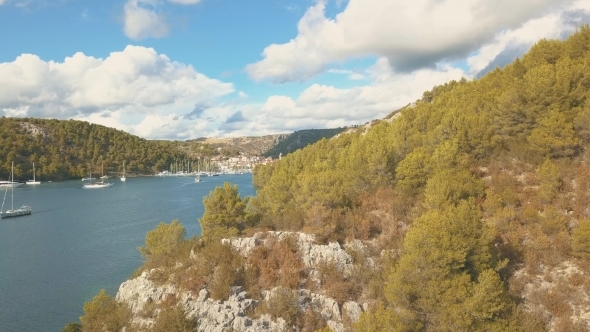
{"x": 181, "y": 69}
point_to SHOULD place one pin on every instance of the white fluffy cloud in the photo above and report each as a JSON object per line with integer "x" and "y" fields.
{"x": 142, "y": 21}
{"x": 129, "y": 87}
{"x": 321, "y": 106}
{"x": 509, "y": 44}
{"x": 145, "y": 19}
{"x": 412, "y": 34}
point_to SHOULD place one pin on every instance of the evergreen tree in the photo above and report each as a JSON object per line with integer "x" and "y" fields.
{"x": 225, "y": 212}
{"x": 446, "y": 279}
{"x": 104, "y": 313}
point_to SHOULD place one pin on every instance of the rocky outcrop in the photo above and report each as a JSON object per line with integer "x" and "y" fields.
{"x": 312, "y": 255}
{"x": 233, "y": 314}
{"x": 34, "y": 130}
{"x": 212, "y": 315}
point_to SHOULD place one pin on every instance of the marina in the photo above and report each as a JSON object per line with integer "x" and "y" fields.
{"x": 80, "y": 241}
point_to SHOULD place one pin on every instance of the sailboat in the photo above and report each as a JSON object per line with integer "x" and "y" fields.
{"x": 100, "y": 184}
{"x": 103, "y": 176}
{"x": 10, "y": 183}
{"x": 89, "y": 178}
{"x": 33, "y": 181}
{"x": 22, "y": 211}
{"x": 198, "y": 174}
{"x": 123, "y": 178}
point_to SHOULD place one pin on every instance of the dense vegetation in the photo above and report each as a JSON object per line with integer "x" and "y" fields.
{"x": 300, "y": 139}
{"x": 469, "y": 200}
{"x": 70, "y": 149}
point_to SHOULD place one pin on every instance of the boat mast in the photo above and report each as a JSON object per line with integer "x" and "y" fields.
{"x": 12, "y": 185}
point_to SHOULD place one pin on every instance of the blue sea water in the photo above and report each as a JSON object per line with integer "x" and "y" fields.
{"x": 79, "y": 241}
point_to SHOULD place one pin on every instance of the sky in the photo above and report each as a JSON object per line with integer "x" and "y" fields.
{"x": 184, "y": 69}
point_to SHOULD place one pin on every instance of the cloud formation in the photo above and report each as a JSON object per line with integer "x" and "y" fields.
{"x": 150, "y": 95}
{"x": 145, "y": 18}
{"x": 411, "y": 34}
{"x": 142, "y": 20}
{"x": 509, "y": 44}
{"x": 323, "y": 106}
{"x": 129, "y": 87}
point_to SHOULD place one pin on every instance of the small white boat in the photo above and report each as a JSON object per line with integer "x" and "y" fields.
{"x": 102, "y": 169}
{"x": 22, "y": 211}
{"x": 197, "y": 178}
{"x": 33, "y": 181}
{"x": 94, "y": 185}
{"x": 10, "y": 184}
{"x": 123, "y": 178}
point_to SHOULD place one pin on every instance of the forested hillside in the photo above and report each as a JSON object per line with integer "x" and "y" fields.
{"x": 476, "y": 191}
{"x": 69, "y": 149}
{"x": 301, "y": 139}
{"x": 470, "y": 212}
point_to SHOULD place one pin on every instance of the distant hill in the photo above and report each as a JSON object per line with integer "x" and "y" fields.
{"x": 66, "y": 149}
{"x": 301, "y": 139}
{"x": 70, "y": 149}
{"x": 250, "y": 145}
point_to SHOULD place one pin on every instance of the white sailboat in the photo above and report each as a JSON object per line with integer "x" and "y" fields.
{"x": 33, "y": 181}
{"x": 95, "y": 185}
{"x": 123, "y": 178}
{"x": 89, "y": 178}
{"x": 198, "y": 174}
{"x": 103, "y": 176}
{"x": 10, "y": 182}
{"x": 22, "y": 211}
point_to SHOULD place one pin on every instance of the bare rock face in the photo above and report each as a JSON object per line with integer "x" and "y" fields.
{"x": 218, "y": 315}
{"x": 212, "y": 315}
{"x": 352, "y": 310}
{"x": 34, "y": 130}
{"x": 141, "y": 291}
{"x": 232, "y": 314}
{"x": 313, "y": 255}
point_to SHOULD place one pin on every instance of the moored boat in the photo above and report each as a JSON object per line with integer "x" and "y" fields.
{"x": 22, "y": 211}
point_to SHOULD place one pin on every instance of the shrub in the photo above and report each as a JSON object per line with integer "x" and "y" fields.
{"x": 283, "y": 303}
{"x": 581, "y": 239}
{"x": 104, "y": 313}
{"x": 173, "y": 318}
{"x": 163, "y": 242}
{"x": 276, "y": 264}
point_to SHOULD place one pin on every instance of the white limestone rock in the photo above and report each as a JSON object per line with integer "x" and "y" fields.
{"x": 312, "y": 255}
{"x": 141, "y": 291}
{"x": 352, "y": 310}
{"x": 232, "y": 314}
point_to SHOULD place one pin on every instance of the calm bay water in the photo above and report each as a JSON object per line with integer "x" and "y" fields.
{"x": 78, "y": 241}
